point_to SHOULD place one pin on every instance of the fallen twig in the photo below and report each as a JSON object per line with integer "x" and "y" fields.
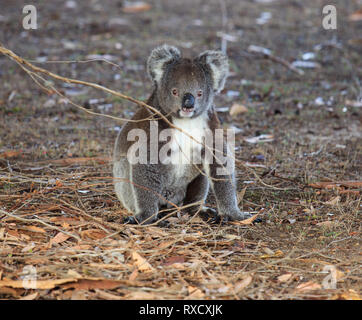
{"x": 266, "y": 53}
{"x": 336, "y": 184}
{"x": 39, "y": 221}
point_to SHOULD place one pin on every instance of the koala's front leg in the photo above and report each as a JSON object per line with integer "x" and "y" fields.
{"x": 222, "y": 180}
{"x": 146, "y": 186}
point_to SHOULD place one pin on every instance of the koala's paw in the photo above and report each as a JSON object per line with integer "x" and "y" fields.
{"x": 235, "y": 215}
{"x": 138, "y": 219}
{"x": 163, "y": 224}
{"x": 207, "y": 214}
{"x": 129, "y": 220}
{"x": 212, "y": 216}
{"x": 239, "y": 216}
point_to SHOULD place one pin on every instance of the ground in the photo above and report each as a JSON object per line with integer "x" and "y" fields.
{"x": 60, "y": 221}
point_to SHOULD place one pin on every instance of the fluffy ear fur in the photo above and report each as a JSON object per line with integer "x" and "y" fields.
{"x": 218, "y": 64}
{"x": 158, "y": 58}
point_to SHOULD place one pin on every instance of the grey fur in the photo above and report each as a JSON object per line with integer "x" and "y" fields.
{"x": 158, "y": 58}
{"x": 144, "y": 189}
{"x": 219, "y": 67}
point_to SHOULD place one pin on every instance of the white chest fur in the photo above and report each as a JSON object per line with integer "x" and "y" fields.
{"x": 184, "y": 149}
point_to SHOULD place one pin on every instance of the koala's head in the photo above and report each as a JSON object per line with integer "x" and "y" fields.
{"x": 185, "y": 87}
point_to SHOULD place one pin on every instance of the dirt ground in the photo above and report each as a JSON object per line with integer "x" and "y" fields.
{"x": 60, "y": 221}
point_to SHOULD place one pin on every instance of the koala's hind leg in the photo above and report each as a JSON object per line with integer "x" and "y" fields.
{"x": 147, "y": 188}
{"x": 122, "y": 185}
{"x": 197, "y": 192}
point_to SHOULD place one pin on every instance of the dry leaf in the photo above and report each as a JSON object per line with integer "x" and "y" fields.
{"x": 158, "y": 231}
{"x": 356, "y": 16}
{"x": 133, "y": 275}
{"x": 333, "y": 201}
{"x": 29, "y": 247}
{"x": 141, "y": 295}
{"x": 73, "y": 274}
{"x": 85, "y": 283}
{"x": 195, "y": 293}
{"x": 336, "y": 184}
{"x": 65, "y": 225}
{"x": 273, "y": 255}
{"x": 93, "y": 234}
{"x": 179, "y": 266}
{"x": 90, "y": 284}
{"x": 106, "y": 295}
{"x": 38, "y": 284}
{"x": 166, "y": 244}
{"x": 175, "y": 259}
{"x": 141, "y": 262}
{"x": 135, "y": 7}
{"x": 14, "y": 233}
{"x": 307, "y": 286}
{"x": 284, "y": 277}
{"x": 246, "y": 221}
{"x": 59, "y": 238}
{"x": 69, "y": 220}
{"x": 268, "y": 251}
{"x": 241, "y": 285}
{"x": 349, "y": 295}
{"x": 237, "y": 109}
{"x": 32, "y": 296}
{"x": 241, "y": 195}
{"x": 35, "y": 229}
{"x": 79, "y": 295}
{"x": 327, "y": 224}
{"x": 10, "y": 291}
{"x": 10, "y": 154}
{"x": 231, "y": 236}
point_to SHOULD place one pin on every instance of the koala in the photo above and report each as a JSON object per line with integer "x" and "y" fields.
{"x": 184, "y": 91}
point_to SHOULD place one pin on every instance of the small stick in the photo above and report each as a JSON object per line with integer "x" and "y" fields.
{"x": 266, "y": 53}
{"x": 39, "y": 221}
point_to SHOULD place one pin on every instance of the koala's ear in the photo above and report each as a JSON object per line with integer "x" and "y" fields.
{"x": 158, "y": 59}
{"x": 218, "y": 64}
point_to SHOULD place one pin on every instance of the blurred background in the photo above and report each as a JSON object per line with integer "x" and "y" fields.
{"x": 124, "y": 32}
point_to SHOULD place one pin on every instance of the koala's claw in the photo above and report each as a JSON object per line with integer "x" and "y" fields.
{"x": 242, "y": 216}
{"x": 163, "y": 224}
{"x": 208, "y": 213}
{"x": 238, "y": 216}
{"x": 220, "y": 219}
{"x": 133, "y": 220}
{"x": 129, "y": 220}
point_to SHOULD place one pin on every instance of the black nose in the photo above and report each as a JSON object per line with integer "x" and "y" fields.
{"x": 188, "y": 101}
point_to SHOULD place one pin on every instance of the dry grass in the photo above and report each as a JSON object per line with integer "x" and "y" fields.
{"x": 64, "y": 220}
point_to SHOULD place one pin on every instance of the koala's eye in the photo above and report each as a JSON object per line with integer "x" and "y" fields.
{"x": 199, "y": 93}
{"x": 174, "y": 92}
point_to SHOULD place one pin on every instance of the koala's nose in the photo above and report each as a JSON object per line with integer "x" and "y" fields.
{"x": 188, "y": 101}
